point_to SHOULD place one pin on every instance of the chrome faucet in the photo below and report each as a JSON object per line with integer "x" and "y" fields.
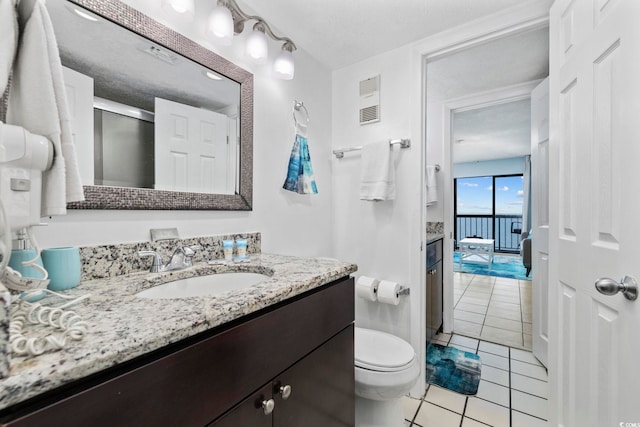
{"x": 182, "y": 258}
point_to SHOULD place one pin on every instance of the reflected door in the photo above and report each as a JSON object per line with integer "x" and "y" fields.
{"x": 191, "y": 149}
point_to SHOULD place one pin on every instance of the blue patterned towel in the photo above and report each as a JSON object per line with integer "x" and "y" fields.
{"x": 300, "y": 174}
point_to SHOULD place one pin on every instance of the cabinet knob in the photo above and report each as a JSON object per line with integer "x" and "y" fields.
{"x": 285, "y": 391}
{"x": 268, "y": 405}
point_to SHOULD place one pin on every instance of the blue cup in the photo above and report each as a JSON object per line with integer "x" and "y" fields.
{"x": 18, "y": 256}
{"x": 63, "y": 266}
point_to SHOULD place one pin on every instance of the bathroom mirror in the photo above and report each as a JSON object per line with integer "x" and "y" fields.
{"x": 159, "y": 121}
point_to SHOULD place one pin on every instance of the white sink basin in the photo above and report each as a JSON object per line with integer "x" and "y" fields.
{"x": 200, "y": 286}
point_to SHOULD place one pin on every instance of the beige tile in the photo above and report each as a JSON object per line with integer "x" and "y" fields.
{"x": 496, "y": 361}
{"x": 529, "y": 370}
{"x": 410, "y": 407}
{"x": 483, "y": 296}
{"x": 528, "y": 404}
{"x": 518, "y": 419}
{"x": 492, "y": 348}
{"x": 507, "y": 291}
{"x": 484, "y": 279}
{"x": 471, "y": 300}
{"x": 501, "y": 323}
{"x": 530, "y": 385}
{"x": 505, "y": 313}
{"x": 465, "y": 341}
{"x": 493, "y": 393}
{"x": 446, "y": 399}
{"x": 502, "y": 336}
{"x": 525, "y": 282}
{"x": 504, "y": 305}
{"x": 495, "y": 375}
{"x": 505, "y": 298}
{"x": 468, "y": 316}
{"x": 466, "y": 328}
{"x": 468, "y": 422}
{"x": 463, "y": 348}
{"x": 507, "y": 281}
{"x": 487, "y": 412}
{"x": 432, "y": 415}
{"x": 525, "y": 356}
{"x": 473, "y": 308}
{"x": 483, "y": 290}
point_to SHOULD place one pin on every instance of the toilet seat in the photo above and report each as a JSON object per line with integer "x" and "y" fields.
{"x": 381, "y": 352}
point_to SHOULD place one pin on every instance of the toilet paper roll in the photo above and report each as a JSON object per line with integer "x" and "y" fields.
{"x": 388, "y": 292}
{"x": 367, "y": 287}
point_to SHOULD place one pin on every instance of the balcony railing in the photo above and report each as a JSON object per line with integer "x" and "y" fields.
{"x": 505, "y": 228}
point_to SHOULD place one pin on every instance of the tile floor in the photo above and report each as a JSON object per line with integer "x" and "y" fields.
{"x": 495, "y": 309}
{"x": 513, "y": 391}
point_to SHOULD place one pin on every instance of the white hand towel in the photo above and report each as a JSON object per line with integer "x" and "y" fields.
{"x": 38, "y": 102}
{"x": 9, "y": 37}
{"x": 377, "y": 181}
{"x": 432, "y": 188}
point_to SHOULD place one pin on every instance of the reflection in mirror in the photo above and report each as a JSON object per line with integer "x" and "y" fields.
{"x": 153, "y": 113}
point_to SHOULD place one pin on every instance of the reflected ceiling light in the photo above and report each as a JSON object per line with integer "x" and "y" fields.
{"x": 227, "y": 19}
{"x": 83, "y": 13}
{"x": 211, "y": 75}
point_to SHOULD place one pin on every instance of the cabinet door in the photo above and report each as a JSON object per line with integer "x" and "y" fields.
{"x": 249, "y": 413}
{"x": 322, "y": 387}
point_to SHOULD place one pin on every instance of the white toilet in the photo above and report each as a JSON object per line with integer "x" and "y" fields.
{"x": 386, "y": 367}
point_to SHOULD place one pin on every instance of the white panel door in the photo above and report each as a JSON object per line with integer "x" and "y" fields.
{"x": 594, "y": 340}
{"x": 540, "y": 219}
{"x": 191, "y": 148}
{"x": 79, "y": 88}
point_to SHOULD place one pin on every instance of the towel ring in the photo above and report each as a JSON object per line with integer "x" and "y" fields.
{"x": 299, "y": 107}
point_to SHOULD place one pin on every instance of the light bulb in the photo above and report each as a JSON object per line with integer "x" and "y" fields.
{"x": 181, "y": 9}
{"x": 283, "y": 66}
{"x": 257, "y": 48}
{"x": 221, "y": 25}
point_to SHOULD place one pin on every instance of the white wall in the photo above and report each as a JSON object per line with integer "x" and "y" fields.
{"x": 290, "y": 223}
{"x": 511, "y": 166}
{"x": 376, "y": 235}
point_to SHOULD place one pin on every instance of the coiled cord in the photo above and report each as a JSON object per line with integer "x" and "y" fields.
{"x": 68, "y": 322}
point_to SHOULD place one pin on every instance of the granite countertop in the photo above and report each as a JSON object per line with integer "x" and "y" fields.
{"x": 123, "y": 326}
{"x": 432, "y": 237}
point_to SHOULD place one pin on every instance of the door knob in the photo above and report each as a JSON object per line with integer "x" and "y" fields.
{"x": 268, "y": 405}
{"x": 628, "y": 286}
{"x": 285, "y": 391}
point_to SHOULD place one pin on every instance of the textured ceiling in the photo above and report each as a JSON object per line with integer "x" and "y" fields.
{"x": 339, "y": 33}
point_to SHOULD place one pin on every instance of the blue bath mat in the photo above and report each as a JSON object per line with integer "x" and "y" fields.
{"x": 502, "y": 266}
{"x": 453, "y": 369}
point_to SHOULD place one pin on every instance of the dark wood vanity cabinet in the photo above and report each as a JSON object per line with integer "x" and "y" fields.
{"x": 320, "y": 392}
{"x": 433, "y": 290}
{"x": 222, "y": 377}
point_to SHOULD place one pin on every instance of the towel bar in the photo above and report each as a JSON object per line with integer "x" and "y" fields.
{"x": 404, "y": 143}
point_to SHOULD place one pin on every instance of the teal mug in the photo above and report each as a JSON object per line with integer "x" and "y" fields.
{"x": 18, "y": 256}
{"x": 63, "y": 266}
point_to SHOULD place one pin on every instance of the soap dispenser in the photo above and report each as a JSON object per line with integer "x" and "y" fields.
{"x": 24, "y": 253}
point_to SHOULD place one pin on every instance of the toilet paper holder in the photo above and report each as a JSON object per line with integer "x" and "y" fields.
{"x": 404, "y": 291}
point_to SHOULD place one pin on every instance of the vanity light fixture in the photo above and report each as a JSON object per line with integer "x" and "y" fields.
{"x": 227, "y": 19}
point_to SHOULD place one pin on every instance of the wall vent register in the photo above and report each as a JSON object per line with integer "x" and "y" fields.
{"x": 370, "y": 100}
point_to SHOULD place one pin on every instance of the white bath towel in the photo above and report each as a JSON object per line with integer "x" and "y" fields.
{"x": 432, "y": 188}
{"x": 377, "y": 181}
{"x": 38, "y": 102}
{"x": 8, "y": 41}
